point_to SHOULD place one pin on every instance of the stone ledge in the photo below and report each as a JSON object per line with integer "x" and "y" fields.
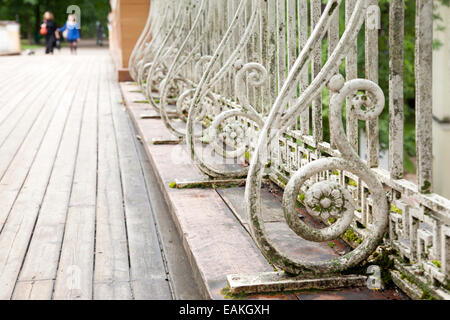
{"x": 279, "y": 282}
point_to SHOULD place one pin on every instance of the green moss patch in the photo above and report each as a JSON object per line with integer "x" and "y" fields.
{"x": 226, "y": 292}
{"x": 395, "y": 209}
{"x": 173, "y": 185}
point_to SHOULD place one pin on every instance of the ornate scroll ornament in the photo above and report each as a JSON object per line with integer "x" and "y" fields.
{"x": 327, "y": 199}
{"x": 143, "y": 53}
{"x": 209, "y": 79}
{"x": 231, "y": 128}
{"x": 324, "y": 199}
{"x": 202, "y": 64}
{"x": 210, "y": 106}
{"x": 177, "y": 89}
{"x": 167, "y": 51}
{"x": 185, "y": 57}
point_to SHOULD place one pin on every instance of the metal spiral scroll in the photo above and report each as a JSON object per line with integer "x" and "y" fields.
{"x": 329, "y": 199}
{"x": 166, "y": 52}
{"x": 210, "y": 107}
{"x": 209, "y": 79}
{"x": 185, "y": 55}
{"x": 323, "y": 198}
{"x": 144, "y": 53}
{"x": 236, "y": 133}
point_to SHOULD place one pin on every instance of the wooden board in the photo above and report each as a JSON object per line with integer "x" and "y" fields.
{"x": 76, "y": 218}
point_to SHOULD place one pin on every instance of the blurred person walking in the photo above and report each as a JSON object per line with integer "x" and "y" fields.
{"x": 71, "y": 32}
{"x": 100, "y": 33}
{"x": 49, "y": 30}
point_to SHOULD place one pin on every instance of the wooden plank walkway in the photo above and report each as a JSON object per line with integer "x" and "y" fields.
{"x": 77, "y": 217}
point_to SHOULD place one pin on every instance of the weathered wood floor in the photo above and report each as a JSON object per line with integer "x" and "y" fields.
{"x": 77, "y": 220}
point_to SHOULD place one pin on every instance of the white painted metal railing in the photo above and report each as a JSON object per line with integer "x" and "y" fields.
{"x": 249, "y": 82}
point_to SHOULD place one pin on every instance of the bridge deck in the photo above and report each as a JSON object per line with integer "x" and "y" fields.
{"x": 78, "y": 219}
{"x": 82, "y": 215}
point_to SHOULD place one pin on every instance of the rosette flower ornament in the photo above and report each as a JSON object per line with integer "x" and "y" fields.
{"x": 234, "y": 133}
{"x": 327, "y": 200}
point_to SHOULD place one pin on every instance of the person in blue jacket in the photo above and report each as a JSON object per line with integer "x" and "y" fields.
{"x": 72, "y": 30}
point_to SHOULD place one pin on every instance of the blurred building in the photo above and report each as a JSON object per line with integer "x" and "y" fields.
{"x": 126, "y": 22}
{"x": 9, "y": 38}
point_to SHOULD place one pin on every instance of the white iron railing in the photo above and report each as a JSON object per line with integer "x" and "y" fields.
{"x": 248, "y": 81}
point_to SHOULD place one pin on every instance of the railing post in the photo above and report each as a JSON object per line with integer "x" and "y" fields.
{"x": 371, "y": 37}
{"x": 316, "y": 65}
{"x": 302, "y": 39}
{"x": 424, "y": 100}
{"x": 351, "y": 71}
{"x": 396, "y": 100}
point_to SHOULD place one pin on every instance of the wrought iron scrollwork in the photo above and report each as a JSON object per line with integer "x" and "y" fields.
{"x": 232, "y": 135}
{"x": 322, "y": 198}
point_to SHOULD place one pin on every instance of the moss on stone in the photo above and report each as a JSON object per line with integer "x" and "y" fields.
{"x": 283, "y": 181}
{"x": 395, "y": 209}
{"x": 227, "y": 186}
{"x": 173, "y": 185}
{"x": 352, "y": 183}
{"x": 426, "y": 292}
{"x": 426, "y": 295}
{"x": 426, "y": 187}
{"x": 386, "y": 264}
{"x": 350, "y": 235}
{"x": 196, "y": 186}
{"x": 226, "y": 292}
{"x": 437, "y": 263}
